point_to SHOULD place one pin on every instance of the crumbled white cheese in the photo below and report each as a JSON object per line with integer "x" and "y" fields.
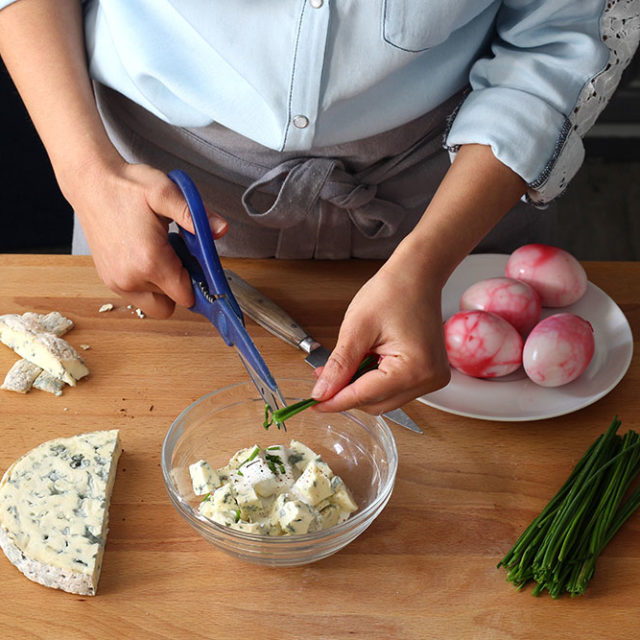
{"x": 203, "y": 477}
{"x": 106, "y": 307}
{"x": 278, "y": 490}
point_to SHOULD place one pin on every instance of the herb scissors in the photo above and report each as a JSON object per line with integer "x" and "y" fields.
{"x": 213, "y": 297}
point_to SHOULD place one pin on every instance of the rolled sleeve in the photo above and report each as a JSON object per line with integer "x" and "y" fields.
{"x": 555, "y": 66}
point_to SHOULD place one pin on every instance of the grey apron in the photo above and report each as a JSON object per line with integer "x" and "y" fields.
{"x": 357, "y": 199}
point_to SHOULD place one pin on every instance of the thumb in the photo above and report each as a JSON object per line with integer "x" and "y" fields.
{"x": 340, "y": 367}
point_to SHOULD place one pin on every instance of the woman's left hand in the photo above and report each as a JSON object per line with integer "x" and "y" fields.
{"x": 397, "y": 313}
{"x": 396, "y": 316}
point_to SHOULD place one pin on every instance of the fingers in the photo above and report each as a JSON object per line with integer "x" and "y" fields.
{"x": 408, "y": 339}
{"x": 219, "y": 226}
{"x": 166, "y": 199}
{"x": 173, "y": 279}
{"x": 395, "y": 382}
{"x": 342, "y": 363}
{"x": 151, "y": 264}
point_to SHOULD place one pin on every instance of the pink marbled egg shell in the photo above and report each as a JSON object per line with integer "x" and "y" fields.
{"x": 482, "y": 344}
{"x": 514, "y": 300}
{"x": 558, "y": 349}
{"x": 554, "y": 273}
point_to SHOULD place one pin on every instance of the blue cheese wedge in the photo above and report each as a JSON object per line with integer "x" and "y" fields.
{"x": 50, "y": 352}
{"x": 24, "y": 375}
{"x": 54, "y": 510}
{"x": 274, "y": 491}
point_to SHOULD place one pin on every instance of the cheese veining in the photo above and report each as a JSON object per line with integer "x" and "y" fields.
{"x": 54, "y": 504}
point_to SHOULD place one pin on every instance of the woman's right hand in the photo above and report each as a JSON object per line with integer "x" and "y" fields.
{"x": 125, "y": 211}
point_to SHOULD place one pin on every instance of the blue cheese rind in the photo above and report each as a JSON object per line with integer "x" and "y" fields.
{"x": 54, "y": 506}
{"x": 21, "y": 376}
{"x": 50, "y": 352}
{"x": 46, "y": 382}
{"x": 53, "y": 322}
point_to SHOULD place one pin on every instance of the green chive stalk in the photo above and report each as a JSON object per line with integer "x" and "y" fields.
{"x": 559, "y": 549}
{"x": 278, "y": 417}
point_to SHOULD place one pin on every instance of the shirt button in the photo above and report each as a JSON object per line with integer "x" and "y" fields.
{"x": 300, "y": 122}
{"x": 316, "y": 4}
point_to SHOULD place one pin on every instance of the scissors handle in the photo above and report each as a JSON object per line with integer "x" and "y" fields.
{"x": 201, "y": 245}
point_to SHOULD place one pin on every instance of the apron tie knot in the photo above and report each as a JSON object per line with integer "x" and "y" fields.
{"x": 298, "y": 183}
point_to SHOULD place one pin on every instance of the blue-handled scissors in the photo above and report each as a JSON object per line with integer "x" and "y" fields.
{"x": 213, "y": 296}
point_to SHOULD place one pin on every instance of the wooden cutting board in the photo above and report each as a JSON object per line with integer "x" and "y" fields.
{"x": 425, "y": 569}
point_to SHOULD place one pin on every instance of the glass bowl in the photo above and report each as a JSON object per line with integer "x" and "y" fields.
{"x": 357, "y": 446}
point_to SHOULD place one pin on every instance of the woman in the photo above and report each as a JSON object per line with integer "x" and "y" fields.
{"x": 314, "y": 130}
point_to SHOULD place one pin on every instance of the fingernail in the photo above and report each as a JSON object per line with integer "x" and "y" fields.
{"x": 319, "y": 389}
{"x": 219, "y": 226}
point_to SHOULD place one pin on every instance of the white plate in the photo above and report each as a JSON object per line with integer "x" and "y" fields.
{"x": 515, "y": 398}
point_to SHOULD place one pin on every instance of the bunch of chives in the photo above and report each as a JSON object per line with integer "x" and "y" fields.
{"x": 559, "y": 549}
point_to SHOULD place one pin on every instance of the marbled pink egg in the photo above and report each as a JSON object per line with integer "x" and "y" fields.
{"x": 558, "y": 349}
{"x": 554, "y": 273}
{"x": 482, "y": 344}
{"x": 514, "y": 300}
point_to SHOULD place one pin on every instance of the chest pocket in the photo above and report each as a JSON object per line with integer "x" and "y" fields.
{"x": 418, "y": 25}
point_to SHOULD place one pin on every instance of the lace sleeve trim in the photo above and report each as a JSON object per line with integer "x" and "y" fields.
{"x": 620, "y": 31}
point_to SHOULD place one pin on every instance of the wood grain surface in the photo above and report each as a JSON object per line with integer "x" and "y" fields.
{"x": 425, "y": 569}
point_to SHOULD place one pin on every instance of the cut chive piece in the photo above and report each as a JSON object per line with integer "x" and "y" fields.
{"x": 279, "y": 416}
{"x": 252, "y": 455}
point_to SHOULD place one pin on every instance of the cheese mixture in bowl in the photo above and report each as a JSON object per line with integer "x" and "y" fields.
{"x": 274, "y": 491}
{"x": 351, "y": 457}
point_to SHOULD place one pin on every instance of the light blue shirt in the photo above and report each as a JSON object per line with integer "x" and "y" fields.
{"x": 297, "y": 74}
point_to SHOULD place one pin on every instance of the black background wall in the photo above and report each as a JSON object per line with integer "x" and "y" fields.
{"x": 35, "y": 216}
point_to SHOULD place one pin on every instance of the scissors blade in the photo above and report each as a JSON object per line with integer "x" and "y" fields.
{"x": 272, "y": 396}
{"x": 235, "y": 335}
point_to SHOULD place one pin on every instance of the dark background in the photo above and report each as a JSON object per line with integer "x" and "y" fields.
{"x": 599, "y": 213}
